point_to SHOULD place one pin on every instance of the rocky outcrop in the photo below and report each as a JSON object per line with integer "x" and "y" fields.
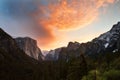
{"x": 29, "y": 46}
{"x": 73, "y": 45}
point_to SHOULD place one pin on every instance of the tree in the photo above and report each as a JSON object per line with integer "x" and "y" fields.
{"x": 77, "y": 68}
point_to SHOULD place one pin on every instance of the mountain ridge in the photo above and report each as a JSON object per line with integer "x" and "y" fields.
{"x": 106, "y": 42}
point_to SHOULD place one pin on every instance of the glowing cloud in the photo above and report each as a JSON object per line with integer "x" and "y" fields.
{"x": 70, "y": 14}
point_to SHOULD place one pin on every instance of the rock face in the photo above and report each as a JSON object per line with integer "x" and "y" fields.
{"x": 107, "y": 42}
{"x": 53, "y": 54}
{"x": 110, "y": 39}
{"x": 14, "y": 63}
{"x": 10, "y": 51}
{"x": 73, "y": 45}
{"x": 29, "y": 46}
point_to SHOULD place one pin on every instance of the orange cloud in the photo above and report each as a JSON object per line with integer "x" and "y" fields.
{"x": 48, "y": 37}
{"x": 102, "y": 3}
{"x": 68, "y": 14}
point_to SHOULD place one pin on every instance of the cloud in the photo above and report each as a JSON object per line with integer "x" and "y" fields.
{"x": 42, "y": 17}
{"x": 70, "y": 14}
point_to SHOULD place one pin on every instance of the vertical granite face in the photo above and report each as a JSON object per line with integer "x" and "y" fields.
{"x": 29, "y": 46}
{"x": 9, "y": 50}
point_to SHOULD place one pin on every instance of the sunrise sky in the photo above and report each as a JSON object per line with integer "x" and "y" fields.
{"x": 54, "y": 23}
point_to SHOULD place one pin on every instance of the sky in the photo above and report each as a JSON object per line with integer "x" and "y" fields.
{"x": 54, "y": 23}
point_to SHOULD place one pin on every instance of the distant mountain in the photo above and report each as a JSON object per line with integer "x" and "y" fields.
{"x": 53, "y": 54}
{"x": 14, "y": 63}
{"x": 45, "y": 52}
{"x": 29, "y": 46}
{"x": 107, "y": 42}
